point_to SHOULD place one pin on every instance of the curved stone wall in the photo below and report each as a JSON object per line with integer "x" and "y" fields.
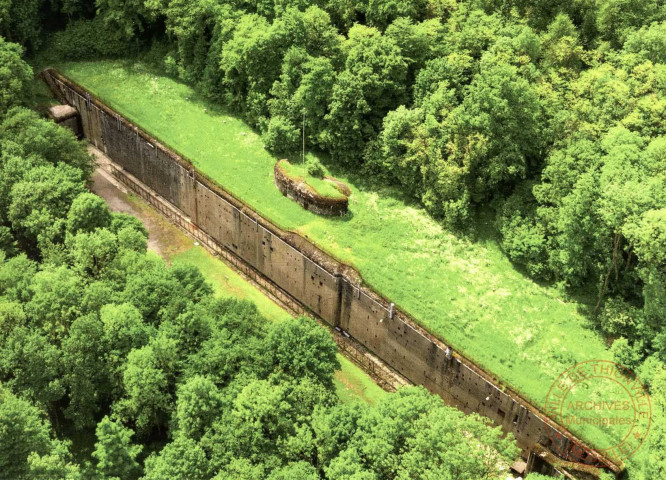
{"x": 306, "y": 197}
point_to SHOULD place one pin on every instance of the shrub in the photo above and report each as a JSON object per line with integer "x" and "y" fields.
{"x": 15, "y": 76}
{"x": 522, "y": 238}
{"x": 314, "y": 167}
{"x": 91, "y": 39}
{"x": 281, "y": 137}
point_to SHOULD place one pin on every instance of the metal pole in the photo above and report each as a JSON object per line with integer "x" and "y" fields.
{"x": 304, "y": 170}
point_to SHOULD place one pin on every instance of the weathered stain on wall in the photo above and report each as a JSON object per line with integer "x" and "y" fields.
{"x": 327, "y": 288}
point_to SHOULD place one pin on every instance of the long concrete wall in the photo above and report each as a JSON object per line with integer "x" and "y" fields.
{"x": 327, "y": 288}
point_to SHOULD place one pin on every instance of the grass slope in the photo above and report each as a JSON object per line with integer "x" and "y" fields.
{"x": 465, "y": 292}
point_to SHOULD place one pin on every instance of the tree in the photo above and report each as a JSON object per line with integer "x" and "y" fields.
{"x": 151, "y": 289}
{"x": 648, "y": 42}
{"x": 418, "y": 42}
{"x": 193, "y": 283}
{"x": 412, "y": 434}
{"x": 55, "y": 303}
{"x": 300, "y": 349}
{"x": 86, "y": 374}
{"x": 20, "y": 22}
{"x": 381, "y": 13}
{"x": 295, "y": 471}
{"x": 496, "y": 131}
{"x": 15, "y": 76}
{"x": 11, "y": 316}
{"x": 199, "y": 403}
{"x": 181, "y": 459}
{"x": 30, "y": 364}
{"x": 92, "y": 254}
{"x": 23, "y": 431}
{"x": 87, "y": 213}
{"x": 16, "y": 275}
{"x": 58, "y": 463}
{"x": 250, "y": 63}
{"x": 562, "y": 45}
{"x": 131, "y": 17}
{"x": 32, "y": 136}
{"x": 616, "y": 17}
{"x": 333, "y": 429}
{"x": 123, "y": 331}
{"x": 147, "y": 380}
{"x": 372, "y": 84}
{"x": 114, "y": 452}
{"x": 40, "y": 202}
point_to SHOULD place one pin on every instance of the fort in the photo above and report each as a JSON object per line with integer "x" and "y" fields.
{"x": 306, "y": 196}
{"x": 324, "y": 287}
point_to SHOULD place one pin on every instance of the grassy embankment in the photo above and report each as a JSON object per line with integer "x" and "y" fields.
{"x": 465, "y": 292}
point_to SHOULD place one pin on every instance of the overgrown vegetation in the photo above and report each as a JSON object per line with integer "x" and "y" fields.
{"x": 466, "y": 292}
{"x": 312, "y": 175}
{"x": 552, "y": 113}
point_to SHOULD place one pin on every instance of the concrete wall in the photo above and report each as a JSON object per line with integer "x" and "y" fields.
{"x": 328, "y": 289}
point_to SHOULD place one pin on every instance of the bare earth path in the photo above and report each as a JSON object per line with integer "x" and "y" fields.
{"x": 164, "y": 239}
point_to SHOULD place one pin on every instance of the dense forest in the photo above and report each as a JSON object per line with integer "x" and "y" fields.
{"x": 549, "y": 113}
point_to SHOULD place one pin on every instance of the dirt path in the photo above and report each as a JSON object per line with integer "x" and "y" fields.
{"x": 164, "y": 238}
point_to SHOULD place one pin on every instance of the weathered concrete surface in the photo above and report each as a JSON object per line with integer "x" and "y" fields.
{"x": 66, "y": 116}
{"x": 326, "y": 288}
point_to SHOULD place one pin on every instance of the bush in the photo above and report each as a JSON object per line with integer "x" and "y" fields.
{"x": 314, "y": 167}
{"x": 15, "y": 76}
{"x": 522, "y": 238}
{"x": 620, "y": 318}
{"x": 281, "y": 137}
{"x": 91, "y": 39}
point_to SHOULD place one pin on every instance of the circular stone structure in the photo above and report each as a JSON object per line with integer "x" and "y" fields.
{"x": 307, "y": 197}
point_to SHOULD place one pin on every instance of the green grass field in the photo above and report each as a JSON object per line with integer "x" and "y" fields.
{"x": 467, "y": 293}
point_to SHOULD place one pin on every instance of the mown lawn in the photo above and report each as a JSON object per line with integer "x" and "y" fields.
{"x": 467, "y": 293}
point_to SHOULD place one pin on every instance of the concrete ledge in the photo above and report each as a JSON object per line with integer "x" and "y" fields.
{"x": 60, "y": 113}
